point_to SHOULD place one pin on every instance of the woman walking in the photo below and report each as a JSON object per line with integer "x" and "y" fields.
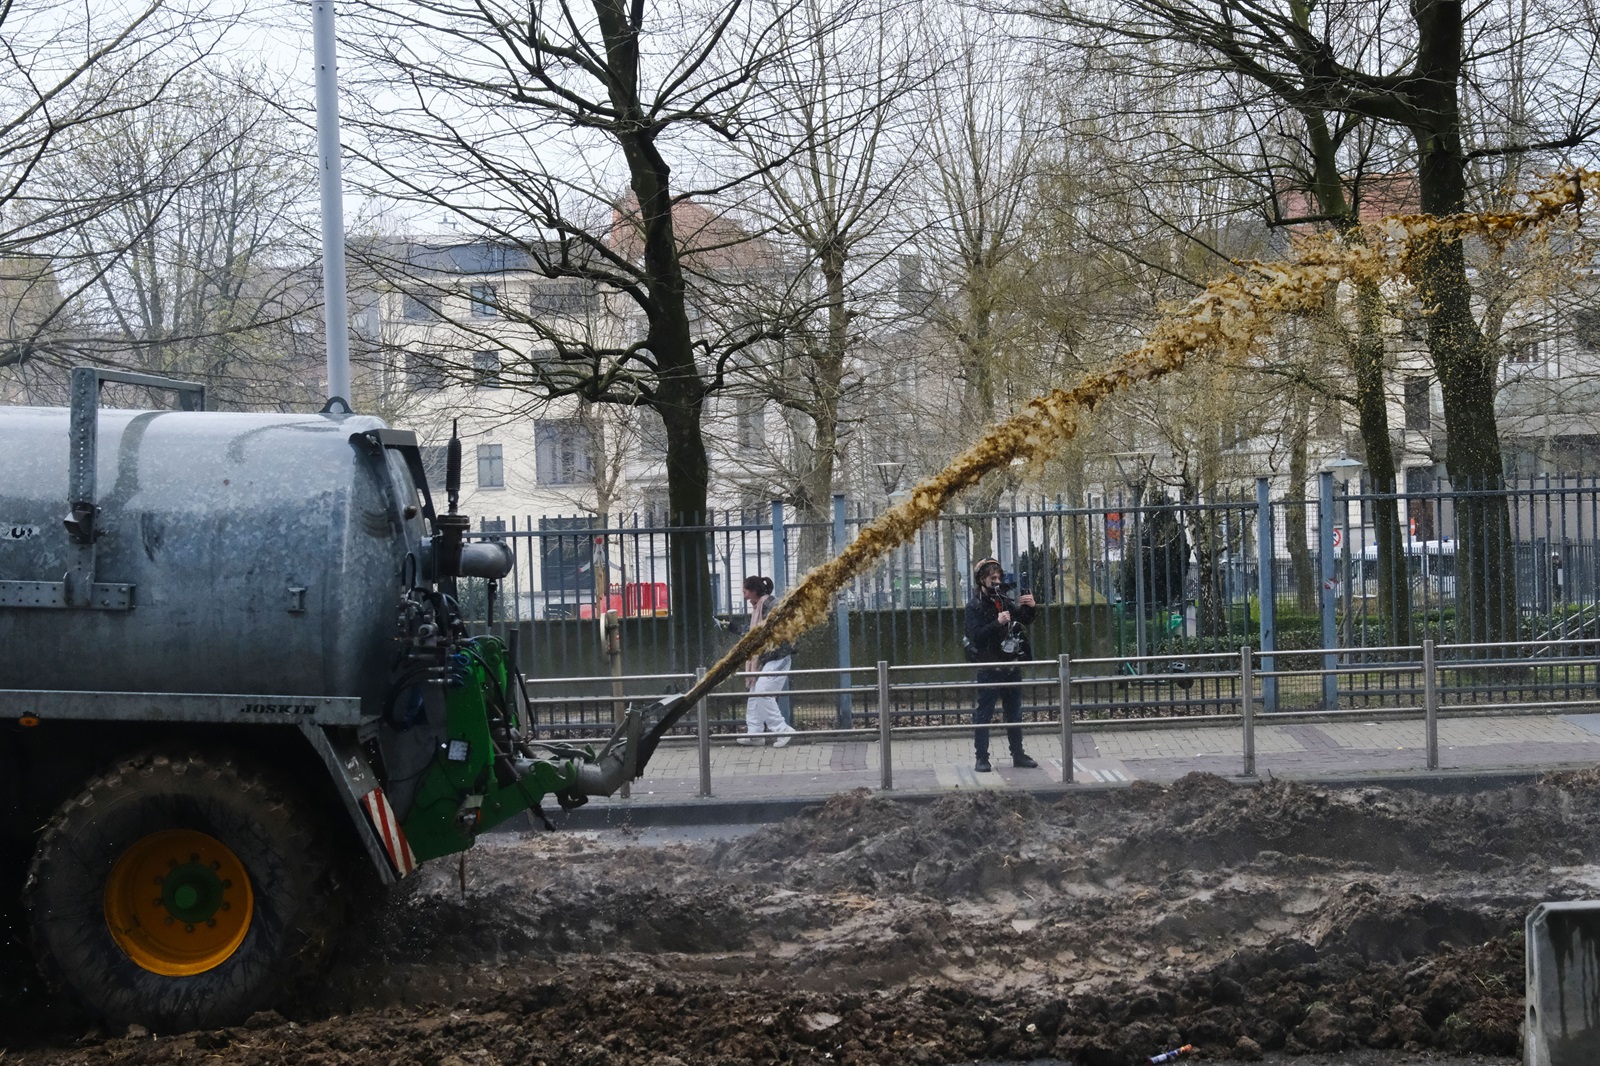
{"x": 768, "y": 672}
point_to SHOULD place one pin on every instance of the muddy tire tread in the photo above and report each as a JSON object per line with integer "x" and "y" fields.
{"x": 189, "y": 1003}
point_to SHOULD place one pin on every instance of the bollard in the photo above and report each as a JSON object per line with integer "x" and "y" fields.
{"x": 1430, "y": 703}
{"x": 703, "y": 718}
{"x": 1562, "y": 947}
{"x": 1066, "y": 719}
{"x": 885, "y": 723}
{"x": 1247, "y": 707}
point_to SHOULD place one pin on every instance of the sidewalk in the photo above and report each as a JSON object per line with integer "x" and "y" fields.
{"x": 767, "y": 782}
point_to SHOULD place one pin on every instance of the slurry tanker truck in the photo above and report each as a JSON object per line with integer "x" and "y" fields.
{"x": 233, "y": 678}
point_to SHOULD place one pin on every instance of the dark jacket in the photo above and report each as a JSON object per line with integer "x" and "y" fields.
{"x": 985, "y": 631}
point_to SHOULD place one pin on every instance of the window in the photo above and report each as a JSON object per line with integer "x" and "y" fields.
{"x": 491, "y": 467}
{"x": 653, "y": 507}
{"x": 566, "y": 560}
{"x": 752, "y": 423}
{"x": 561, "y": 453}
{"x": 492, "y": 525}
{"x": 434, "y": 458}
{"x": 1328, "y": 419}
{"x": 419, "y": 308}
{"x": 559, "y": 298}
{"x": 1523, "y": 347}
{"x": 652, "y": 434}
{"x": 486, "y": 370}
{"x": 484, "y": 302}
{"x": 906, "y": 376}
{"x": 424, "y": 373}
{"x": 1419, "y": 506}
{"x": 1419, "y": 412}
{"x": 1586, "y": 327}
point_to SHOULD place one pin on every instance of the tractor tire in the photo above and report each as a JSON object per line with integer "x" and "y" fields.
{"x": 181, "y": 893}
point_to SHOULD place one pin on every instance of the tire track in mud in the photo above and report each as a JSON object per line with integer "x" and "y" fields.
{"x": 1102, "y": 927}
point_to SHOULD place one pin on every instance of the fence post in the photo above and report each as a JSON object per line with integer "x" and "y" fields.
{"x": 780, "y": 575}
{"x": 1330, "y": 631}
{"x": 1065, "y": 662}
{"x": 703, "y": 726}
{"x": 841, "y": 615}
{"x": 1266, "y": 553}
{"x": 885, "y": 724}
{"x": 1247, "y": 707}
{"x": 1430, "y": 703}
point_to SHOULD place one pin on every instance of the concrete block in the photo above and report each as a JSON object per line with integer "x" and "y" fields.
{"x": 1562, "y": 1027}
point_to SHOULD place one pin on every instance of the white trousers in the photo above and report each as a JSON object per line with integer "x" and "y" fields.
{"x": 761, "y": 713}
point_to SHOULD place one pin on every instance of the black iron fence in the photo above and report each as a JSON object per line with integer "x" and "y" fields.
{"x": 1124, "y": 581}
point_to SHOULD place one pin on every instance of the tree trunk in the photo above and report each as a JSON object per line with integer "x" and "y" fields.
{"x": 1294, "y": 532}
{"x": 688, "y": 543}
{"x": 1371, "y": 402}
{"x": 679, "y": 397}
{"x": 1462, "y": 360}
{"x": 1372, "y": 408}
{"x": 816, "y": 482}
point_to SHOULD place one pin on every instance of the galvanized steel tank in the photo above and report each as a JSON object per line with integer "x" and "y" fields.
{"x": 265, "y": 553}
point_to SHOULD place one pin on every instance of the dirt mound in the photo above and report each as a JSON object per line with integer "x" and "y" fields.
{"x": 990, "y": 925}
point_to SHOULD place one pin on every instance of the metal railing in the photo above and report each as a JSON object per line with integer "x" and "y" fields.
{"x": 1065, "y": 694}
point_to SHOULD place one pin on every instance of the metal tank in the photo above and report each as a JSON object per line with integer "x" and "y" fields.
{"x": 175, "y": 551}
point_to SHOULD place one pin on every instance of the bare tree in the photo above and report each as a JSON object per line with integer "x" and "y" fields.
{"x": 199, "y": 267}
{"x": 526, "y": 124}
{"x": 832, "y": 160}
{"x": 1334, "y": 60}
{"x": 971, "y": 223}
{"x": 64, "y": 70}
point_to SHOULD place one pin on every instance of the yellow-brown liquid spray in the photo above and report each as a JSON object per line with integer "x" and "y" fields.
{"x": 1227, "y": 319}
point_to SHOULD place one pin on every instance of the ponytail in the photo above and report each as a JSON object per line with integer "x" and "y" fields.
{"x": 761, "y": 586}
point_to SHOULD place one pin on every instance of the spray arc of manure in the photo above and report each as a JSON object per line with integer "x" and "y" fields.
{"x": 1226, "y": 319}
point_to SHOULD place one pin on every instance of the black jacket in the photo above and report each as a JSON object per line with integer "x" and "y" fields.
{"x": 985, "y": 631}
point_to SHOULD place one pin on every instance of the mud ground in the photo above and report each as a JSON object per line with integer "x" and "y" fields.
{"x": 1282, "y": 923}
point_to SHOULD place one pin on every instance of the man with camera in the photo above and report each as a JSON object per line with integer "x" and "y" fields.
{"x": 995, "y": 635}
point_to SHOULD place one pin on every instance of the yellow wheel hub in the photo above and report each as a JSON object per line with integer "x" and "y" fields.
{"x": 178, "y": 902}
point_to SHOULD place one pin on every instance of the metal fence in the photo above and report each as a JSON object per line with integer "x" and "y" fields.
{"x": 1526, "y": 675}
{"x": 1123, "y": 580}
{"x": 1430, "y": 682}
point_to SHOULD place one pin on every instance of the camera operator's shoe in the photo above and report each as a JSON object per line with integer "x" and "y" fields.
{"x": 982, "y": 765}
{"x": 1024, "y": 762}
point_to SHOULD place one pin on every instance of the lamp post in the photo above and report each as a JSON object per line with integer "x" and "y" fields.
{"x": 1339, "y": 467}
{"x": 889, "y": 476}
